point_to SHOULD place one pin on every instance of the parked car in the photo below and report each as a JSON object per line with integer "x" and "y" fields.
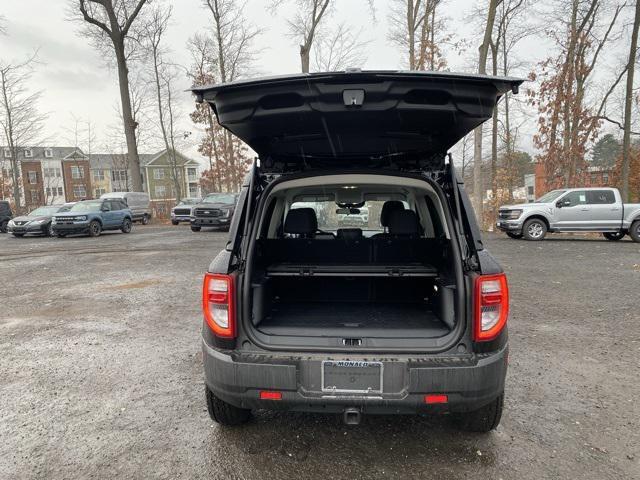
{"x": 5, "y": 215}
{"x": 410, "y": 318}
{"x": 215, "y": 210}
{"x": 37, "y": 222}
{"x": 138, "y": 203}
{"x": 598, "y": 210}
{"x": 182, "y": 211}
{"x": 93, "y": 217}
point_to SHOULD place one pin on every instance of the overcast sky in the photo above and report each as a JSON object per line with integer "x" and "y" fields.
{"x": 77, "y": 82}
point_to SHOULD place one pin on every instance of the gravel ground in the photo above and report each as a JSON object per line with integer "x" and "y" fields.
{"x": 101, "y": 375}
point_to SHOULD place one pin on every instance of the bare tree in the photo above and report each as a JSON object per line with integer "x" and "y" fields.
{"x": 112, "y": 20}
{"x": 483, "y": 51}
{"x": 163, "y": 75}
{"x": 339, "y": 49}
{"x": 21, "y": 120}
{"x": 629, "y": 94}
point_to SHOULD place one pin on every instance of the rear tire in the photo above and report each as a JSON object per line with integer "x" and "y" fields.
{"x": 224, "y": 413}
{"x": 95, "y": 228}
{"x": 534, "y": 230}
{"x": 145, "y": 220}
{"x": 175, "y": 222}
{"x": 18, "y": 235}
{"x": 634, "y": 231}
{"x": 514, "y": 235}
{"x": 3, "y": 226}
{"x": 195, "y": 229}
{"x": 482, "y": 420}
{"x": 126, "y": 226}
{"x": 613, "y": 236}
{"x": 61, "y": 235}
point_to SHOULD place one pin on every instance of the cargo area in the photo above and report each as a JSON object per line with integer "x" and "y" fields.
{"x": 354, "y": 262}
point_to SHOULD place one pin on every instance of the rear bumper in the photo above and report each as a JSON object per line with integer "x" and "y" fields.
{"x": 470, "y": 382}
{"x": 211, "y": 222}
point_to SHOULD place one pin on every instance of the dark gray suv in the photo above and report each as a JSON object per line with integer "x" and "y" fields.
{"x": 403, "y": 314}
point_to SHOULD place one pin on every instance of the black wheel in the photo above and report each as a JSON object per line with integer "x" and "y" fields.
{"x": 126, "y": 226}
{"x": 613, "y": 236}
{"x": 95, "y": 228}
{"x": 174, "y": 222}
{"x": 514, "y": 235}
{"x": 195, "y": 229}
{"x": 534, "y": 229}
{"x": 61, "y": 235}
{"x": 145, "y": 220}
{"x": 482, "y": 420}
{"x": 224, "y": 413}
{"x": 19, "y": 235}
{"x": 3, "y": 226}
{"x": 634, "y": 231}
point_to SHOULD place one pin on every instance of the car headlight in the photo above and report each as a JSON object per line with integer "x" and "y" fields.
{"x": 514, "y": 214}
{"x": 11, "y": 223}
{"x": 227, "y": 213}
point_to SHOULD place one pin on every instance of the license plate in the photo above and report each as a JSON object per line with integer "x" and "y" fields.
{"x": 346, "y": 376}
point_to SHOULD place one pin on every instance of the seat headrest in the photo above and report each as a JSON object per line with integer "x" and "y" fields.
{"x": 301, "y": 221}
{"x": 350, "y": 233}
{"x": 387, "y": 208}
{"x": 404, "y": 222}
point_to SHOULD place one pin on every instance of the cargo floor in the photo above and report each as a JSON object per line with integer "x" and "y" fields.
{"x": 357, "y": 319}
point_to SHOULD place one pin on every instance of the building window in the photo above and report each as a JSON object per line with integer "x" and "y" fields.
{"x": 98, "y": 175}
{"x": 48, "y": 153}
{"x": 594, "y": 178}
{"x": 33, "y": 177}
{"x": 193, "y": 190}
{"x": 119, "y": 175}
{"x": 60, "y": 193}
{"x": 35, "y": 196}
{"x": 98, "y": 192}
{"x": 7, "y": 153}
{"x": 28, "y": 153}
{"x": 160, "y": 191}
{"x": 77, "y": 172}
{"x": 52, "y": 172}
{"x": 7, "y": 172}
{"x": 47, "y": 192}
{"x": 79, "y": 191}
{"x": 605, "y": 178}
{"x": 192, "y": 174}
{"x": 158, "y": 174}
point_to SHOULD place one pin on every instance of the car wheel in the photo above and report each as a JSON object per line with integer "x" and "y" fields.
{"x": 534, "y": 229}
{"x": 514, "y": 235}
{"x": 224, "y": 413}
{"x": 95, "y": 228}
{"x": 19, "y": 235}
{"x": 3, "y": 226}
{"x": 145, "y": 220}
{"x": 634, "y": 231}
{"x": 174, "y": 222}
{"x": 482, "y": 420}
{"x": 613, "y": 236}
{"x": 61, "y": 235}
{"x": 126, "y": 226}
{"x": 195, "y": 229}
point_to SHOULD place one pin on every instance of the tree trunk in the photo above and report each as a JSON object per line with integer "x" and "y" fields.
{"x": 626, "y": 138}
{"x": 127, "y": 117}
{"x": 483, "y": 51}
{"x": 304, "y": 58}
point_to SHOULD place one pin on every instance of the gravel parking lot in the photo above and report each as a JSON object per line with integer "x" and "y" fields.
{"x": 101, "y": 376}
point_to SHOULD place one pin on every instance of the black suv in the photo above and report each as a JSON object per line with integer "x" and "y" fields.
{"x": 403, "y": 314}
{"x": 5, "y": 215}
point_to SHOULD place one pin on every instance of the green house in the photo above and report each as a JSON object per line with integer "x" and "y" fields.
{"x": 159, "y": 178}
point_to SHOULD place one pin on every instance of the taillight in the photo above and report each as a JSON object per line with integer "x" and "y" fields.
{"x": 491, "y": 307}
{"x": 217, "y": 304}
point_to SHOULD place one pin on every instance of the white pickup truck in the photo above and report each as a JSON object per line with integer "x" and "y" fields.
{"x": 572, "y": 210}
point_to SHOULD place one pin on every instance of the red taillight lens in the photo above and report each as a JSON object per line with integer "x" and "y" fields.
{"x": 268, "y": 395}
{"x": 491, "y": 307}
{"x": 217, "y": 304}
{"x": 434, "y": 399}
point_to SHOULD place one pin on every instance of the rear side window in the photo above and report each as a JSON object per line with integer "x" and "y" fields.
{"x": 600, "y": 197}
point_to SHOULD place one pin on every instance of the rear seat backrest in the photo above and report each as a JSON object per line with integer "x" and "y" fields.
{"x": 404, "y": 223}
{"x": 301, "y": 221}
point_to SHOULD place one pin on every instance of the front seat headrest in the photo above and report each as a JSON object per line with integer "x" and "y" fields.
{"x": 350, "y": 233}
{"x": 404, "y": 222}
{"x": 389, "y": 207}
{"x": 301, "y": 221}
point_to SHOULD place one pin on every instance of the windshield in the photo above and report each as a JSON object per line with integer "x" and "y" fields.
{"x": 550, "y": 196}
{"x": 220, "y": 198}
{"x": 43, "y": 211}
{"x": 189, "y": 201}
{"x": 86, "y": 207}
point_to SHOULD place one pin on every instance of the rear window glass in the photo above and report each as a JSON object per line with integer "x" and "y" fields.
{"x": 600, "y": 197}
